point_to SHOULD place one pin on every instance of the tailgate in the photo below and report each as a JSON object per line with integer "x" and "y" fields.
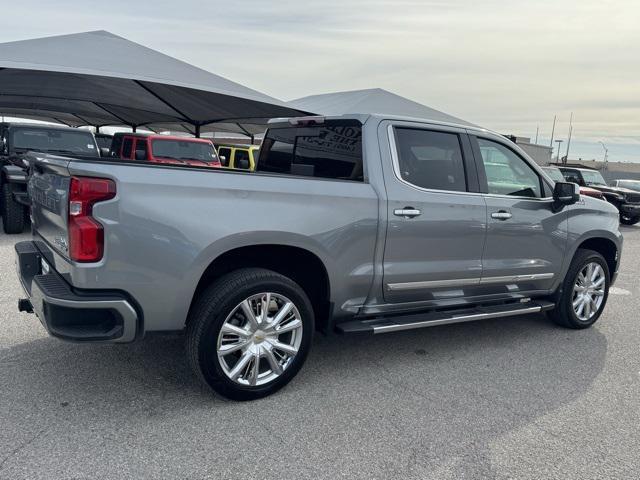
{"x": 49, "y": 192}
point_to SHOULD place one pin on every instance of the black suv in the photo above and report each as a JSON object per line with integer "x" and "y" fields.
{"x": 16, "y": 139}
{"x": 626, "y": 200}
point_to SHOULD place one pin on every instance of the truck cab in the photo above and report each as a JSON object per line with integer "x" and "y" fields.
{"x": 165, "y": 149}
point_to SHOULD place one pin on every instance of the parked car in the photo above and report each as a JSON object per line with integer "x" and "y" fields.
{"x": 16, "y": 139}
{"x": 625, "y": 200}
{"x": 556, "y": 175}
{"x": 167, "y": 149}
{"x": 351, "y": 224}
{"x": 630, "y": 184}
{"x": 242, "y": 157}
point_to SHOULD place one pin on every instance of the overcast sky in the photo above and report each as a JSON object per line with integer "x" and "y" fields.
{"x": 508, "y": 65}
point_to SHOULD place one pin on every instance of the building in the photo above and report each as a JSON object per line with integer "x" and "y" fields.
{"x": 540, "y": 153}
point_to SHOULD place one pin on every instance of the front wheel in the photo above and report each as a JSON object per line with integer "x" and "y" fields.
{"x": 629, "y": 220}
{"x": 249, "y": 333}
{"x": 584, "y": 291}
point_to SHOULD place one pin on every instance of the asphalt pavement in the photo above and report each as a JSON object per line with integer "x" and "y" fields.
{"x": 505, "y": 398}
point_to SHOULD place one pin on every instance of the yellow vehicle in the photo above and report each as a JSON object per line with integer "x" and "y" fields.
{"x": 241, "y": 157}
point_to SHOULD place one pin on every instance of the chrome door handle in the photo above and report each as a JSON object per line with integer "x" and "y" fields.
{"x": 501, "y": 215}
{"x": 407, "y": 212}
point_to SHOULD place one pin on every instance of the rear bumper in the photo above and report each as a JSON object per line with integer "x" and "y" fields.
{"x": 71, "y": 314}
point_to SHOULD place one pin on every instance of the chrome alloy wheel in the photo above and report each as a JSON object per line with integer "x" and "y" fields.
{"x": 588, "y": 291}
{"x": 259, "y": 339}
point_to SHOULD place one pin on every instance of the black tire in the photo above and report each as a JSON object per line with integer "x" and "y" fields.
{"x": 626, "y": 220}
{"x": 209, "y": 313}
{"x": 13, "y": 216}
{"x": 564, "y": 313}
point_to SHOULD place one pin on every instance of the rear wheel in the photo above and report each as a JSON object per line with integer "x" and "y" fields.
{"x": 12, "y": 212}
{"x": 628, "y": 220}
{"x": 249, "y": 333}
{"x": 584, "y": 291}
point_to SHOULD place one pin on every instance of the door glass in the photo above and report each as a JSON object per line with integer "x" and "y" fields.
{"x": 226, "y": 153}
{"x": 127, "y": 147}
{"x": 430, "y": 159}
{"x": 507, "y": 173}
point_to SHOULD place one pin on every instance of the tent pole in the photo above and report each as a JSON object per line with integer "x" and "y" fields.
{"x": 97, "y": 127}
{"x": 133, "y": 128}
{"x": 197, "y": 125}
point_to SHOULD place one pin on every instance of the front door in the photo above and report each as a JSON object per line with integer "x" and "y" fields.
{"x": 436, "y": 215}
{"x": 526, "y": 239}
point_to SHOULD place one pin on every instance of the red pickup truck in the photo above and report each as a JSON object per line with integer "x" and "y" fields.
{"x": 164, "y": 149}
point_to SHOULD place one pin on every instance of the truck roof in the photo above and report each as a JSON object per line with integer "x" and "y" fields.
{"x": 43, "y": 126}
{"x": 362, "y": 118}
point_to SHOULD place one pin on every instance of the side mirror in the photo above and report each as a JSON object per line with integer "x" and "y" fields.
{"x": 223, "y": 160}
{"x": 565, "y": 193}
{"x": 104, "y": 152}
{"x": 3, "y": 146}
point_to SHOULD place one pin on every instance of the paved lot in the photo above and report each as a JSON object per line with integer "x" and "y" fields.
{"x": 510, "y": 398}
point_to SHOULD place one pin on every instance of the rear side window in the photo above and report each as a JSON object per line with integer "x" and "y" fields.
{"x": 116, "y": 144}
{"x": 430, "y": 159}
{"x": 141, "y": 149}
{"x": 226, "y": 153}
{"x": 127, "y": 147}
{"x": 333, "y": 150}
{"x": 241, "y": 159}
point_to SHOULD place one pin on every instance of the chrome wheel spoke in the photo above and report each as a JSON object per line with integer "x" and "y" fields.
{"x": 233, "y": 330}
{"x": 240, "y": 366}
{"x": 228, "y": 348}
{"x": 290, "y": 326}
{"x": 249, "y": 314}
{"x": 274, "y": 364}
{"x": 265, "y": 301}
{"x": 283, "y": 347}
{"x": 255, "y": 370}
{"x": 597, "y": 270}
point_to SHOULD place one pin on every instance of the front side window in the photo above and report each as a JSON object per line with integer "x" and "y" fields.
{"x": 225, "y": 156}
{"x": 430, "y": 159}
{"x": 127, "y": 147}
{"x": 507, "y": 173}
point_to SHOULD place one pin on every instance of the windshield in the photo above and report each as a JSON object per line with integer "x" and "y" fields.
{"x": 630, "y": 184}
{"x": 73, "y": 142}
{"x": 555, "y": 174}
{"x": 593, "y": 178}
{"x": 183, "y": 150}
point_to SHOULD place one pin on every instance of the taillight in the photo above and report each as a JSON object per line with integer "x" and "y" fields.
{"x": 86, "y": 235}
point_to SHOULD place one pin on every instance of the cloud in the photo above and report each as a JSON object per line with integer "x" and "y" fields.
{"x": 509, "y": 65}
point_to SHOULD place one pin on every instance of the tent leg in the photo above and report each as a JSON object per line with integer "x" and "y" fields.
{"x": 97, "y": 127}
{"x": 133, "y": 128}
{"x": 252, "y": 138}
{"x": 197, "y": 131}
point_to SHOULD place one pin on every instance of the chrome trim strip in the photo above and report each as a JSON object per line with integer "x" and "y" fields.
{"x": 459, "y": 282}
{"x": 455, "y": 319}
{"x": 396, "y": 168}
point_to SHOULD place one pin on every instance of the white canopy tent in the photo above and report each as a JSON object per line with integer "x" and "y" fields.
{"x": 99, "y": 79}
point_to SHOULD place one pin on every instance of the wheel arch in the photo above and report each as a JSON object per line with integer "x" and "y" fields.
{"x": 298, "y": 263}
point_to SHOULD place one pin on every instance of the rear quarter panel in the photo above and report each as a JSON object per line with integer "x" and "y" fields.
{"x": 166, "y": 225}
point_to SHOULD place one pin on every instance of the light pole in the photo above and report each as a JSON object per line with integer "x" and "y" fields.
{"x": 558, "y": 157}
{"x": 606, "y": 153}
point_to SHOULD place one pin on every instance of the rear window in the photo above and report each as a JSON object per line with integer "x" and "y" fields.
{"x": 71, "y": 142}
{"x": 183, "y": 150}
{"x": 333, "y": 151}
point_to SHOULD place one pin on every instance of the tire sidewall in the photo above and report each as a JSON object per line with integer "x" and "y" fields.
{"x": 207, "y": 353}
{"x": 592, "y": 257}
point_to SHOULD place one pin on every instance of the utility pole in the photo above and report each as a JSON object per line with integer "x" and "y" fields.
{"x": 606, "y": 154}
{"x": 537, "y": 130}
{"x": 558, "y": 156}
{"x": 569, "y": 139}
{"x": 553, "y": 129}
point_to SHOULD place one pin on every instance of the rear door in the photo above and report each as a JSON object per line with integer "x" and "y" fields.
{"x": 436, "y": 215}
{"x": 526, "y": 239}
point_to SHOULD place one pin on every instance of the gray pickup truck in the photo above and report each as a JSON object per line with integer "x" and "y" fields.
{"x": 351, "y": 224}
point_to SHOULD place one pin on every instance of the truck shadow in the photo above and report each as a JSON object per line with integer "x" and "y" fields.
{"x": 435, "y": 397}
